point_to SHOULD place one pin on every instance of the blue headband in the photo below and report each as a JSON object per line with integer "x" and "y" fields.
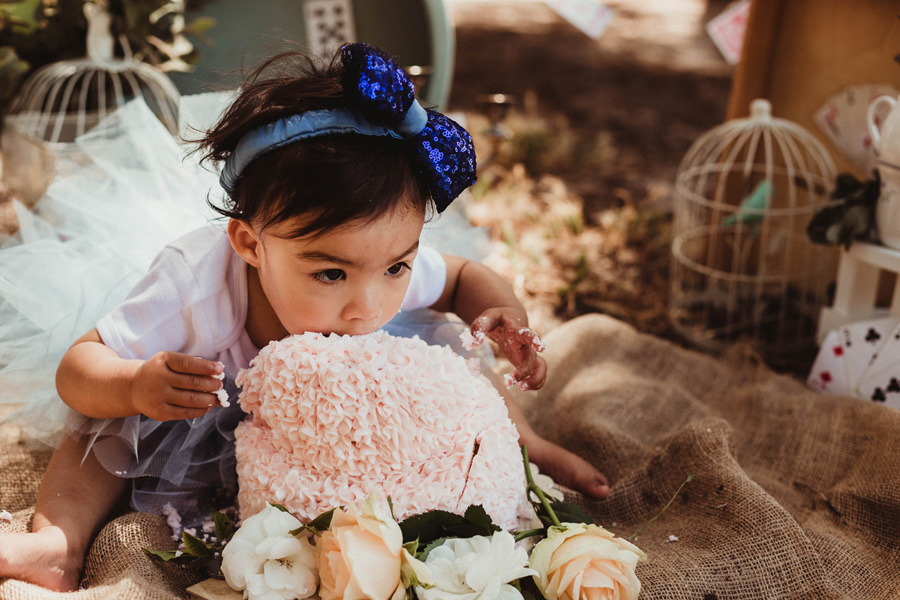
{"x": 384, "y": 104}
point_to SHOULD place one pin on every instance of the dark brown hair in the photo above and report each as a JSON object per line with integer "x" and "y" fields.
{"x": 334, "y": 179}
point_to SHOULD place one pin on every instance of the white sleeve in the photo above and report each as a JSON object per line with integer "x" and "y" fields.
{"x": 429, "y": 276}
{"x": 153, "y": 317}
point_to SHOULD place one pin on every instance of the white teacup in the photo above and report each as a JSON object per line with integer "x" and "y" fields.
{"x": 887, "y": 211}
{"x": 886, "y": 138}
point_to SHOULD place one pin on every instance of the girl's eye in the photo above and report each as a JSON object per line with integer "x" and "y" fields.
{"x": 329, "y": 276}
{"x": 397, "y": 269}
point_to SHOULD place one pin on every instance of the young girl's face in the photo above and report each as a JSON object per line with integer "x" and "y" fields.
{"x": 349, "y": 280}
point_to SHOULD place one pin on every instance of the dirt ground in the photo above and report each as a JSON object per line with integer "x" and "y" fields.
{"x": 598, "y": 126}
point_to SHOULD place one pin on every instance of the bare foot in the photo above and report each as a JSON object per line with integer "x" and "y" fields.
{"x": 42, "y": 558}
{"x": 567, "y": 468}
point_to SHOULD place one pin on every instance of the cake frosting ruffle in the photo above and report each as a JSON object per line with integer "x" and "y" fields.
{"x": 333, "y": 418}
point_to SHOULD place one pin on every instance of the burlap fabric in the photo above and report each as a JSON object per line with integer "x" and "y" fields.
{"x": 116, "y": 566}
{"x": 795, "y": 495}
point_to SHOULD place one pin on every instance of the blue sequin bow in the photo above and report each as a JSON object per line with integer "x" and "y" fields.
{"x": 384, "y": 104}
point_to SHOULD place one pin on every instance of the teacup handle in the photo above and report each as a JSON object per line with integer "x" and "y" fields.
{"x": 870, "y": 117}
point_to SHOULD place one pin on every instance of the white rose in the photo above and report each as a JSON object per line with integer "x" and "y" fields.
{"x": 476, "y": 568}
{"x": 268, "y": 563}
{"x": 578, "y": 561}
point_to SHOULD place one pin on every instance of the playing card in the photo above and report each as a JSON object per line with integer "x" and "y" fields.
{"x": 881, "y": 380}
{"x": 590, "y": 16}
{"x": 727, "y": 30}
{"x": 861, "y": 341}
{"x": 828, "y": 373}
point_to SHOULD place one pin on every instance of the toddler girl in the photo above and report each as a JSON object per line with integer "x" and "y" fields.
{"x": 330, "y": 174}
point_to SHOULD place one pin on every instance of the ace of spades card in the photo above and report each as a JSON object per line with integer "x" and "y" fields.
{"x": 880, "y": 382}
{"x": 828, "y": 373}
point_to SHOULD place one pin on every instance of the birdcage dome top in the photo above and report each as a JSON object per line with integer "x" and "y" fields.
{"x": 64, "y": 99}
{"x": 760, "y": 144}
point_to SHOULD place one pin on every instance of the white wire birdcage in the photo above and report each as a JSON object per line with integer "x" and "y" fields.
{"x": 63, "y": 100}
{"x": 743, "y": 267}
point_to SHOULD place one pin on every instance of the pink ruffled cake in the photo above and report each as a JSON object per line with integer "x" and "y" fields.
{"x": 333, "y": 418}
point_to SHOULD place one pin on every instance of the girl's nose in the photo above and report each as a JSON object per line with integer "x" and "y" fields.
{"x": 364, "y": 306}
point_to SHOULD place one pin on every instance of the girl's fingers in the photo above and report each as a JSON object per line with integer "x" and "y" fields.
{"x": 191, "y": 400}
{"x": 174, "y": 412}
{"x": 192, "y": 365}
{"x": 526, "y": 368}
{"x": 537, "y": 378}
{"x": 484, "y": 324}
{"x": 536, "y": 342}
{"x": 195, "y": 383}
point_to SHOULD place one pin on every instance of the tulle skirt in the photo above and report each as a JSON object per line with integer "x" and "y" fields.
{"x": 121, "y": 193}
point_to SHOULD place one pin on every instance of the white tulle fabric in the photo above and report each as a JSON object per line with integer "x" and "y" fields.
{"x": 121, "y": 193}
{"x": 336, "y": 418}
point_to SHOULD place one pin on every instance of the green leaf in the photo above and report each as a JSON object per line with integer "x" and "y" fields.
{"x": 182, "y": 558}
{"x": 571, "y": 513}
{"x": 323, "y": 521}
{"x": 24, "y": 17}
{"x": 434, "y": 524}
{"x": 224, "y": 526}
{"x": 427, "y": 550}
{"x": 195, "y": 546}
{"x": 163, "y": 555}
{"x": 476, "y": 515}
{"x": 279, "y": 507}
{"x": 412, "y": 547}
{"x": 429, "y": 526}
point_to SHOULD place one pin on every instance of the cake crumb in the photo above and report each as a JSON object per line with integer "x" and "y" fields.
{"x": 538, "y": 343}
{"x": 222, "y": 395}
{"x": 471, "y": 341}
{"x": 173, "y": 520}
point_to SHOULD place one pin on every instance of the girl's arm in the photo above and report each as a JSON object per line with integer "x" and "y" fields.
{"x": 481, "y": 297}
{"x": 95, "y": 381}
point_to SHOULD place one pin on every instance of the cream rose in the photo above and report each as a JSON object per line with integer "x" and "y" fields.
{"x": 577, "y": 561}
{"x": 361, "y": 556}
{"x": 266, "y": 562}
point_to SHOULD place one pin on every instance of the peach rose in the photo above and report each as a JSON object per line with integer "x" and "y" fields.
{"x": 361, "y": 556}
{"x": 577, "y": 561}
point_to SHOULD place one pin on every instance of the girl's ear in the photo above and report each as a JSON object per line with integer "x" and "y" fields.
{"x": 245, "y": 241}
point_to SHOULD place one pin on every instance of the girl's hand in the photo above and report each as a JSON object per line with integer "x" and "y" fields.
{"x": 173, "y": 386}
{"x": 517, "y": 342}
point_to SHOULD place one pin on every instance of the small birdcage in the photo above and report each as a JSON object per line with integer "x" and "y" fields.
{"x": 63, "y": 100}
{"x": 743, "y": 267}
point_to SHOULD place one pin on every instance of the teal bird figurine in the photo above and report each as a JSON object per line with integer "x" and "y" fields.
{"x": 751, "y": 209}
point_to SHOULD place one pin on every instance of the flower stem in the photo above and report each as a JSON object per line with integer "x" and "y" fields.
{"x": 634, "y": 535}
{"x": 529, "y": 533}
{"x": 534, "y": 487}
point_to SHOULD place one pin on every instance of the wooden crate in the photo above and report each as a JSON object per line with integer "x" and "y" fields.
{"x": 797, "y": 53}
